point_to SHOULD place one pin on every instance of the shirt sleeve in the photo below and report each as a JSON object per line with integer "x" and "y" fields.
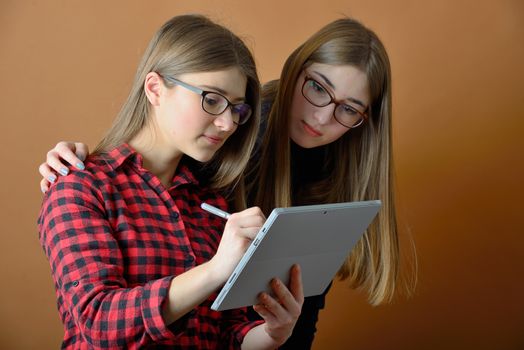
{"x": 87, "y": 268}
{"x": 235, "y": 327}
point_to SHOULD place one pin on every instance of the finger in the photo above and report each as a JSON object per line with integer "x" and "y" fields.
{"x": 275, "y": 308}
{"x": 47, "y": 173}
{"x": 81, "y": 150}
{"x": 264, "y": 313}
{"x": 54, "y": 162}
{"x": 248, "y": 218}
{"x": 44, "y": 185}
{"x": 255, "y": 211}
{"x": 66, "y": 151}
{"x": 286, "y": 300}
{"x": 295, "y": 284}
{"x": 248, "y": 233}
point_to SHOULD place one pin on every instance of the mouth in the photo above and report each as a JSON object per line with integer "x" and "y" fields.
{"x": 310, "y": 130}
{"x": 215, "y": 140}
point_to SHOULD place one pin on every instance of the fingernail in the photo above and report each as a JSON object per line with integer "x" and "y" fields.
{"x": 64, "y": 171}
{"x": 52, "y": 178}
{"x": 80, "y": 166}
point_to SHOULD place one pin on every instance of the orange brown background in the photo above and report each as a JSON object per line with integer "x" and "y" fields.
{"x": 458, "y": 68}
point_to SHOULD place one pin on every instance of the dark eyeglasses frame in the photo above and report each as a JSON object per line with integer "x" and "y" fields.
{"x": 203, "y": 93}
{"x": 363, "y": 116}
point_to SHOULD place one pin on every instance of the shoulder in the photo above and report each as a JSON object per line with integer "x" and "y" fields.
{"x": 97, "y": 170}
{"x": 84, "y": 186}
{"x": 100, "y": 166}
{"x": 70, "y": 196}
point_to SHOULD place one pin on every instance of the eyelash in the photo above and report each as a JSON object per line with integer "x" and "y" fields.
{"x": 317, "y": 86}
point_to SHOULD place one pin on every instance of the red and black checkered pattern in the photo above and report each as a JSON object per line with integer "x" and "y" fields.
{"x": 115, "y": 237}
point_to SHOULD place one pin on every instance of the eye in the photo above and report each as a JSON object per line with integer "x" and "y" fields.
{"x": 239, "y": 108}
{"x": 317, "y": 87}
{"x": 211, "y": 100}
{"x": 349, "y": 109}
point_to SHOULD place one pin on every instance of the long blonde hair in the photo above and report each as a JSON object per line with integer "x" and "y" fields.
{"x": 360, "y": 162}
{"x": 189, "y": 44}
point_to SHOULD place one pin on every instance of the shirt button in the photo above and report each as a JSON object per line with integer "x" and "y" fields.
{"x": 75, "y": 284}
{"x": 175, "y": 215}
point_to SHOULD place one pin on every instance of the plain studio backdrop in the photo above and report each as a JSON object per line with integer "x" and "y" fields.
{"x": 66, "y": 67}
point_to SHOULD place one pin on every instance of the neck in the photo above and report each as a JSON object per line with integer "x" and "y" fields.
{"x": 160, "y": 158}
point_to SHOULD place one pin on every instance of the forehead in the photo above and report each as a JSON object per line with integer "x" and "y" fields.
{"x": 339, "y": 74}
{"x": 341, "y": 79}
{"x": 231, "y": 81}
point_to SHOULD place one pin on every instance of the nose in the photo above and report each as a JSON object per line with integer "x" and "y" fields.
{"x": 323, "y": 115}
{"x": 224, "y": 121}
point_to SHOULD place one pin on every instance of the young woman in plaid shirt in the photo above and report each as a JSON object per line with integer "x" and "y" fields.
{"x": 135, "y": 260}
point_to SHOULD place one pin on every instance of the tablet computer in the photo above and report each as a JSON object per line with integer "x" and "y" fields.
{"x": 316, "y": 237}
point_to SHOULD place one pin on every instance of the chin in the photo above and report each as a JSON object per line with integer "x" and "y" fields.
{"x": 200, "y": 157}
{"x": 305, "y": 142}
{"x": 307, "y": 146}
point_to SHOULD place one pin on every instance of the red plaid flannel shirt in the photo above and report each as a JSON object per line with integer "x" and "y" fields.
{"x": 115, "y": 237}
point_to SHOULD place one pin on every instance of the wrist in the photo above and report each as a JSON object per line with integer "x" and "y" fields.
{"x": 215, "y": 272}
{"x": 259, "y": 338}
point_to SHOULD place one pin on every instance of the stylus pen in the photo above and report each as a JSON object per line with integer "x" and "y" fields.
{"x": 215, "y": 210}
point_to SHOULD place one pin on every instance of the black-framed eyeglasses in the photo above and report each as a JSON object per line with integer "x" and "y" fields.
{"x": 215, "y": 104}
{"x": 346, "y": 114}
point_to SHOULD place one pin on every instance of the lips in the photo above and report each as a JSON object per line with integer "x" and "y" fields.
{"x": 310, "y": 130}
{"x": 214, "y": 139}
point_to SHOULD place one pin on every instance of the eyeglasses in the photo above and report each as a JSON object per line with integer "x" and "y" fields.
{"x": 345, "y": 114}
{"x": 216, "y": 104}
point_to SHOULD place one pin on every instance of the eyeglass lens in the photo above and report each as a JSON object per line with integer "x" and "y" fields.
{"x": 345, "y": 114}
{"x": 217, "y": 104}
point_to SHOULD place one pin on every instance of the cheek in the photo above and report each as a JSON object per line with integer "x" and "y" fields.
{"x": 173, "y": 132}
{"x": 171, "y": 124}
{"x": 180, "y": 121}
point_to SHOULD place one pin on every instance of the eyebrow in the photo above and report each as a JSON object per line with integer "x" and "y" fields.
{"x": 223, "y": 92}
{"x": 327, "y": 81}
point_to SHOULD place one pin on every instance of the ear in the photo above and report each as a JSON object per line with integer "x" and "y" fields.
{"x": 153, "y": 86}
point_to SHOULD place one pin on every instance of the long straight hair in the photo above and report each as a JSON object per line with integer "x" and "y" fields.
{"x": 360, "y": 162}
{"x": 191, "y": 44}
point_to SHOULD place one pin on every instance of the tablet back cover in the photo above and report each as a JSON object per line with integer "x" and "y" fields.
{"x": 317, "y": 237}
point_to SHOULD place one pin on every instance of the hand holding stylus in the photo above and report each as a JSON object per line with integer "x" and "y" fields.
{"x": 240, "y": 229}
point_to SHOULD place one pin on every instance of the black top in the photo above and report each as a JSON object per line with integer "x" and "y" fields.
{"x": 306, "y": 167}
